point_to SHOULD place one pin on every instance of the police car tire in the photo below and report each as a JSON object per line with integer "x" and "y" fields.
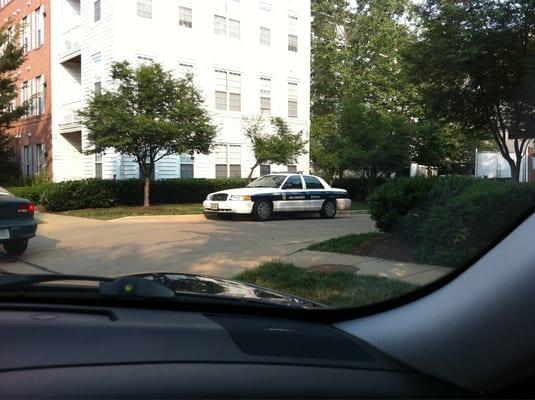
{"x": 260, "y": 216}
{"x": 326, "y": 213}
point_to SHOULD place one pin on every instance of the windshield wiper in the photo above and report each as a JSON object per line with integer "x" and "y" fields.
{"x": 124, "y": 287}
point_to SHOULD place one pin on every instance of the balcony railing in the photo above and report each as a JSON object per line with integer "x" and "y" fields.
{"x": 70, "y": 119}
{"x": 71, "y": 43}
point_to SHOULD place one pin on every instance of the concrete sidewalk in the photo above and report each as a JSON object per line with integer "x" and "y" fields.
{"x": 420, "y": 274}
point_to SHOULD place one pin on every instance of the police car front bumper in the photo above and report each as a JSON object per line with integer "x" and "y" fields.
{"x": 228, "y": 207}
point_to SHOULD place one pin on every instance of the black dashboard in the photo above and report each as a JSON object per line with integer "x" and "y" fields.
{"x": 88, "y": 352}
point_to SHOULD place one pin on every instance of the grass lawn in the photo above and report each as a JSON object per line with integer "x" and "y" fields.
{"x": 123, "y": 211}
{"x": 358, "y": 205}
{"x": 337, "y": 289}
{"x": 345, "y": 244}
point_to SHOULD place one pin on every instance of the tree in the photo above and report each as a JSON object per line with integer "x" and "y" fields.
{"x": 280, "y": 147}
{"x": 149, "y": 116}
{"x": 476, "y": 60}
{"x": 11, "y": 58}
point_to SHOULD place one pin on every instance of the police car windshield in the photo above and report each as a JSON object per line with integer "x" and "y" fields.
{"x": 268, "y": 181}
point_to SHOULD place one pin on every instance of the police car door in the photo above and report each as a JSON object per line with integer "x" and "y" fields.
{"x": 315, "y": 192}
{"x": 293, "y": 197}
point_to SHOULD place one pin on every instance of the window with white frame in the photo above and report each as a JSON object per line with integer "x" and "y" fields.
{"x": 98, "y": 165}
{"x": 25, "y": 95}
{"x": 265, "y": 36}
{"x": 265, "y": 95}
{"x": 40, "y": 157}
{"x": 265, "y": 169}
{"x": 228, "y": 91}
{"x": 97, "y": 73}
{"x": 39, "y": 97}
{"x": 293, "y": 95}
{"x": 220, "y": 25}
{"x": 33, "y": 30}
{"x": 186, "y": 167}
{"x": 292, "y": 43}
{"x": 27, "y": 159}
{"x": 26, "y": 34}
{"x": 144, "y": 60}
{"x": 40, "y": 29}
{"x": 144, "y": 8}
{"x": 185, "y": 70}
{"x": 228, "y": 161}
{"x": 185, "y": 17}
{"x": 234, "y": 28}
{"x": 96, "y": 11}
{"x": 292, "y": 33}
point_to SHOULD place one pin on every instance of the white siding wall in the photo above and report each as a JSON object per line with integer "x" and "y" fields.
{"x": 121, "y": 34}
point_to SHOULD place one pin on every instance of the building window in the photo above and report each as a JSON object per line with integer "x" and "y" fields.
{"x": 292, "y": 100}
{"x": 185, "y": 17}
{"x": 40, "y": 39}
{"x": 144, "y": 8}
{"x": 234, "y": 29}
{"x": 40, "y": 155}
{"x": 265, "y": 36}
{"x": 27, "y": 159}
{"x": 186, "y": 167}
{"x": 144, "y": 60}
{"x": 26, "y": 34}
{"x": 265, "y": 96}
{"x": 97, "y": 73}
{"x": 96, "y": 11}
{"x": 228, "y": 91}
{"x": 39, "y": 96}
{"x": 220, "y": 25}
{"x": 228, "y": 161}
{"x": 98, "y": 166}
{"x": 265, "y": 170}
{"x": 185, "y": 70}
{"x": 292, "y": 168}
{"x": 292, "y": 43}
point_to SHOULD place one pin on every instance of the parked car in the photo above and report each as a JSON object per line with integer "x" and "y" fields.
{"x": 17, "y": 223}
{"x": 288, "y": 192}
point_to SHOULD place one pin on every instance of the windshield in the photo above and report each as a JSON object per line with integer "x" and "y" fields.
{"x": 268, "y": 181}
{"x": 336, "y": 153}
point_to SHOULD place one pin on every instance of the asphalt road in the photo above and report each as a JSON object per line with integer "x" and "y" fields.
{"x": 188, "y": 244}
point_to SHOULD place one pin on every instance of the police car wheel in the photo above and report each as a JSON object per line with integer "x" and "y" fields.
{"x": 328, "y": 210}
{"x": 263, "y": 210}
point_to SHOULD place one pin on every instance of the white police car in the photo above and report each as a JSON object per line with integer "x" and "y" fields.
{"x": 288, "y": 192}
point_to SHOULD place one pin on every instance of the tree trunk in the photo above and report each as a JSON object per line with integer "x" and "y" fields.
{"x": 146, "y": 192}
{"x": 250, "y": 177}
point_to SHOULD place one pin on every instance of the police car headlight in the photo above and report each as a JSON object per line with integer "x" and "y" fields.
{"x": 209, "y": 197}
{"x": 239, "y": 198}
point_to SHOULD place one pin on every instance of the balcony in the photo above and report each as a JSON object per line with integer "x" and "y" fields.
{"x": 70, "y": 44}
{"x": 70, "y": 120}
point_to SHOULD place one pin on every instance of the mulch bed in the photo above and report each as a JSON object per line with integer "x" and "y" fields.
{"x": 388, "y": 248}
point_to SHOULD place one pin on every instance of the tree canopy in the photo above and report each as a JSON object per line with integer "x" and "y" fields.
{"x": 281, "y": 146}
{"x": 148, "y": 115}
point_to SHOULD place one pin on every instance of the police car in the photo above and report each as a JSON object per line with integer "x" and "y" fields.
{"x": 288, "y": 192}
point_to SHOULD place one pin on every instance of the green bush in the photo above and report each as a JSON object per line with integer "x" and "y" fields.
{"x": 75, "y": 195}
{"x": 357, "y": 188}
{"x": 390, "y": 202}
{"x": 461, "y": 228}
{"x": 32, "y": 193}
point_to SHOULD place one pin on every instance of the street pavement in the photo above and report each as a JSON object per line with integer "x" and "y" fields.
{"x": 187, "y": 244}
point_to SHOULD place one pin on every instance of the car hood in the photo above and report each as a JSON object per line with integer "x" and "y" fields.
{"x": 207, "y": 285}
{"x": 246, "y": 191}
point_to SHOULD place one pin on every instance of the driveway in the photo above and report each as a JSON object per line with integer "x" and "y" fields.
{"x": 188, "y": 244}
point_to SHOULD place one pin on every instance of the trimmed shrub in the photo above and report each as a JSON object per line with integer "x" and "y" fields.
{"x": 455, "y": 232}
{"x": 357, "y": 188}
{"x": 390, "y": 202}
{"x": 75, "y": 195}
{"x": 32, "y": 193}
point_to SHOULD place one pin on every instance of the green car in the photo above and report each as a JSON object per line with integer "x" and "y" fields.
{"x": 17, "y": 224}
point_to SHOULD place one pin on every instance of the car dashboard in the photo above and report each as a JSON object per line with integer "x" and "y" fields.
{"x": 72, "y": 351}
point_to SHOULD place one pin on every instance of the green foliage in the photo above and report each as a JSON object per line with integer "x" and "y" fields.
{"x": 75, "y": 195}
{"x": 345, "y": 244}
{"x": 455, "y": 232}
{"x": 337, "y": 289}
{"x": 476, "y": 63}
{"x": 390, "y": 202}
{"x": 357, "y": 188}
{"x": 280, "y": 147}
{"x": 98, "y": 193}
{"x": 150, "y": 115}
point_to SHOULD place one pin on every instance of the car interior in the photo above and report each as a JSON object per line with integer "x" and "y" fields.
{"x": 444, "y": 342}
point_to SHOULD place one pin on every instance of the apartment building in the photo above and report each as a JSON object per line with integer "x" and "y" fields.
{"x": 247, "y": 57}
{"x": 32, "y": 134}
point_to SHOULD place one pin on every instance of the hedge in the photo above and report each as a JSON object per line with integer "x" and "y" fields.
{"x": 357, "y": 188}
{"x": 98, "y": 193}
{"x": 449, "y": 220}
